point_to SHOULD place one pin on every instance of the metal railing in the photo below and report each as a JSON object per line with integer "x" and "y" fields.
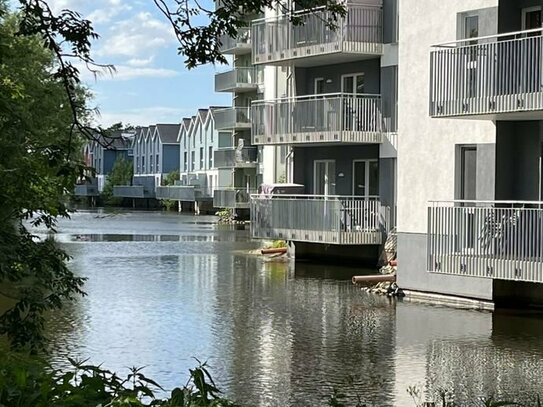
{"x": 232, "y": 118}
{"x": 238, "y": 79}
{"x": 86, "y": 190}
{"x": 238, "y": 45}
{"x": 488, "y": 75}
{"x": 490, "y": 239}
{"x": 279, "y": 39}
{"x": 184, "y": 193}
{"x": 334, "y": 117}
{"x": 233, "y": 157}
{"x": 232, "y": 197}
{"x": 348, "y": 220}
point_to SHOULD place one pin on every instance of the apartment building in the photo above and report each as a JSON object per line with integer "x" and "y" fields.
{"x": 334, "y": 111}
{"x": 156, "y": 154}
{"x": 237, "y": 159}
{"x": 470, "y": 217}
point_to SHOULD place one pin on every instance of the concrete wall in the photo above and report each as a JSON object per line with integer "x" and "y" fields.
{"x": 344, "y": 155}
{"x": 305, "y": 77}
{"x": 426, "y": 146}
{"x": 413, "y": 275}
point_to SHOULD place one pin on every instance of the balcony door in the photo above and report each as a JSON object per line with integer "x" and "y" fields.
{"x": 366, "y": 178}
{"x": 352, "y": 85}
{"x": 532, "y": 18}
{"x": 324, "y": 182}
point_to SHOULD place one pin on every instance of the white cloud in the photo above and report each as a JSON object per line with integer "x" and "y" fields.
{"x": 144, "y": 116}
{"x": 109, "y": 10}
{"x": 140, "y": 62}
{"x": 141, "y": 35}
{"x": 126, "y": 72}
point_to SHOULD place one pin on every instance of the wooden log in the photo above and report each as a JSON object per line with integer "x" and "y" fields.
{"x": 278, "y": 250}
{"x": 374, "y": 279}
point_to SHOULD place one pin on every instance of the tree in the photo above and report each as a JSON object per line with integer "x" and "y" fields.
{"x": 38, "y": 164}
{"x": 121, "y": 174}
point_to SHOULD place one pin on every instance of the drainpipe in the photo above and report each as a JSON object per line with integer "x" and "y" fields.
{"x": 289, "y": 159}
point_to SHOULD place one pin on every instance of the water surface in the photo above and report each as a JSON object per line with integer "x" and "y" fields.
{"x": 164, "y": 289}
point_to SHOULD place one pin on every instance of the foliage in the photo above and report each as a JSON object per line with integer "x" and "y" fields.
{"x": 39, "y": 162}
{"x": 121, "y": 174}
{"x": 170, "y": 180}
{"x": 226, "y": 215}
{"x": 277, "y": 244}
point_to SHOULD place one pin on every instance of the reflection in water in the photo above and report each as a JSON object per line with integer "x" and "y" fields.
{"x": 274, "y": 334}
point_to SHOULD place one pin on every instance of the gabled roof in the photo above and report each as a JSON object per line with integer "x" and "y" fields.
{"x": 168, "y": 133}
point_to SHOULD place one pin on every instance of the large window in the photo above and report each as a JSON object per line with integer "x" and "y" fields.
{"x": 202, "y": 158}
{"x": 366, "y": 178}
{"x": 186, "y": 161}
{"x": 210, "y": 156}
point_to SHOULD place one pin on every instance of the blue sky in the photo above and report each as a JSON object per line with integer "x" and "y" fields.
{"x": 152, "y": 84}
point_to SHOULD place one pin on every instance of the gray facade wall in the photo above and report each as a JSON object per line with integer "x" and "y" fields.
{"x": 389, "y": 94}
{"x": 170, "y": 158}
{"x": 518, "y": 153}
{"x": 510, "y": 14}
{"x": 486, "y": 172}
{"x": 148, "y": 181}
{"x": 390, "y": 21}
{"x": 387, "y": 183}
{"x": 305, "y": 77}
{"x": 343, "y": 155}
{"x": 413, "y": 275}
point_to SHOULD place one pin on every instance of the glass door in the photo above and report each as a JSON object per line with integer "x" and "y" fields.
{"x": 325, "y": 177}
{"x": 366, "y": 178}
{"x": 351, "y": 86}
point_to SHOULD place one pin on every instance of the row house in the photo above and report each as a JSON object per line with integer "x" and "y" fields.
{"x": 470, "y": 182}
{"x": 334, "y": 111}
{"x": 156, "y": 154}
{"x": 101, "y": 155}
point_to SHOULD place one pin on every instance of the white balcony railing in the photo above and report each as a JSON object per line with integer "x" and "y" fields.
{"x": 336, "y": 117}
{"x": 232, "y": 118}
{"x": 237, "y": 198}
{"x": 341, "y": 220}
{"x": 488, "y": 75}
{"x": 236, "y": 158}
{"x": 489, "y": 239}
{"x": 240, "y": 79}
{"x": 278, "y": 39}
{"x": 241, "y": 44}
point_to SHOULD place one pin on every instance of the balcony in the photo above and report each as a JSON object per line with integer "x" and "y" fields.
{"x": 238, "y": 80}
{"x": 183, "y": 193}
{"x": 86, "y": 190}
{"x": 132, "y": 191}
{"x": 234, "y": 198}
{"x": 331, "y": 118}
{"x": 497, "y": 240}
{"x": 337, "y": 220}
{"x": 232, "y": 118}
{"x": 239, "y": 45}
{"x": 497, "y": 77}
{"x": 236, "y": 158}
{"x": 278, "y": 41}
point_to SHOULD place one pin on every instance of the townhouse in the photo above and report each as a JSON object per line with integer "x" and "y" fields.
{"x": 470, "y": 218}
{"x": 156, "y": 154}
{"x": 334, "y": 112}
{"x": 101, "y": 154}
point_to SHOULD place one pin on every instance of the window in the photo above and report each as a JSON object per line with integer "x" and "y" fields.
{"x": 151, "y": 166}
{"x": 532, "y": 18}
{"x": 192, "y": 160}
{"x": 143, "y": 165}
{"x": 137, "y": 165}
{"x": 156, "y": 163}
{"x": 319, "y": 86}
{"x": 468, "y": 172}
{"x": 366, "y": 178}
{"x": 471, "y": 30}
{"x": 353, "y": 83}
{"x": 210, "y": 156}
{"x": 202, "y": 158}
{"x": 185, "y": 161}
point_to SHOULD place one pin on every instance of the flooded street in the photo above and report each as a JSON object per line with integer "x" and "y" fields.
{"x": 164, "y": 289}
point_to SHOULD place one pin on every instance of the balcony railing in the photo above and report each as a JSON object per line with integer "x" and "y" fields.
{"x": 341, "y": 220}
{"x": 239, "y": 45}
{"x": 86, "y": 190}
{"x": 277, "y": 40}
{"x": 235, "y": 198}
{"x": 491, "y": 239}
{"x": 232, "y": 118}
{"x": 336, "y": 117}
{"x": 236, "y": 158}
{"x": 491, "y": 76}
{"x": 132, "y": 191}
{"x": 184, "y": 193}
{"x": 238, "y": 80}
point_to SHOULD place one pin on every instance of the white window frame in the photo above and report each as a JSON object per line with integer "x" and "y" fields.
{"x": 353, "y": 75}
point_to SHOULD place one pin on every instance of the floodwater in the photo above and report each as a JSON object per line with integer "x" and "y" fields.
{"x": 164, "y": 289}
